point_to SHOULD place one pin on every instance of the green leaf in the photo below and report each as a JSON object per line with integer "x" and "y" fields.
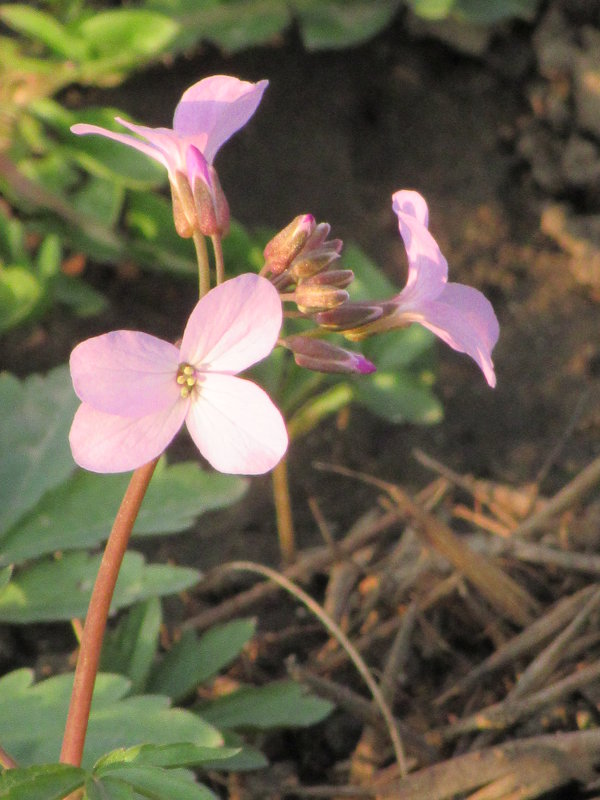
{"x": 399, "y": 397}
{"x": 169, "y": 756}
{"x": 369, "y": 282}
{"x": 433, "y": 9}
{"x": 483, "y": 12}
{"x": 130, "y": 648}
{"x": 343, "y": 24}
{"x": 192, "y": 661}
{"x": 283, "y": 704}
{"x": 160, "y": 784}
{"x": 34, "y": 426}
{"x": 400, "y": 348}
{"x": 41, "y": 782}
{"x": 80, "y": 513}
{"x": 101, "y": 199}
{"x": 247, "y": 758}
{"x": 80, "y": 297}
{"x": 107, "y": 789}
{"x": 20, "y": 296}
{"x": 134, "y": 32}
{"x": 116, "y": 720}
{"x": 44, "y": 28}
{"x": 60, "y": 589}
{"x": 48, "y": 258}
{"x": 5, "y": 576}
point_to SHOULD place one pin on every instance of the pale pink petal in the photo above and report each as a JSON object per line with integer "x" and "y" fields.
{"x": 233, "y": 326}
{"x": 427, "y": 267}
{"x": 158, "y": 154}
{"x": 213, "y": 109}
{"x": 108, "y": 443}
{"x": 236, "y": 427}
{"x": 164, "y": 140}
{"x": 463, "y": 318}
{"x": 126, "y": 372}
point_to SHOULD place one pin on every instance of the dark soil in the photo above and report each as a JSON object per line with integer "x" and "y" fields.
{"x": 336, "y": 134}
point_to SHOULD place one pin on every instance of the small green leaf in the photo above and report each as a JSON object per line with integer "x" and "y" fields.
{"x": 343, "y": 24}
{"x": 100, "y": 198}
{"x": 80, "y": 297}
{"x": 192, "y": 661}
{"x": 45, "y": 28}
{"x": 282, "y": 704}
{"x": 160, "y": 784}
{"x": 107, "y": 789}
{"x": 433, "y": 9}
{"x": 134, "y": 32}
{"x": 168, "y": 756}
{"x": 5, "y": 576}
{"x": 483, "y": 12}
{"x": 399, "y": 397}
{"x": 55, "y": 589}
{"x": 116, "y": 720}
{"x": 48, "y": 258}
{"x": 130, "y": 648}
{"x": 34, "y": 427}
{"x": 40, "y": 782}
{"x": 20, "y": 295}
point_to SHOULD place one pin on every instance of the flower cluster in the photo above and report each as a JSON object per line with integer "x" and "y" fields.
{"x": 137, "y": 391}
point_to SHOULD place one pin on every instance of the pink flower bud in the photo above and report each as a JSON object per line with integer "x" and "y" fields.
{"x": 184, "y": 211}
{"x": 288, "y": 243}
{"x": 318, "y": 298}
{"x": 332, "y": 277}
{"x": 349, "y": 315}
{"x": 322, "y": 356}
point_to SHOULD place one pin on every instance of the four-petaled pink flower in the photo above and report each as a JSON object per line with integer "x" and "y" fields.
{"x": 137, "y": 390}
{"x": 460, "y": 315}
{"x": 207, "y": 115}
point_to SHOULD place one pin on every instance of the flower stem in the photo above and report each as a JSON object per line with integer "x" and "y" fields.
{"x": 219, "y": 262}
{"x": 95, "y": 622}
{"x": 203, "y": 265}
{"x": 283, "y": 512}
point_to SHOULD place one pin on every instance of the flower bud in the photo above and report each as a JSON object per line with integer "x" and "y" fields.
{"x": 321, "y": 356}
{"x": 332, "y": 277}
{"x": 349, "y": 315}
{"x": 210, "y": 203}
{"x": 304, "y": 266}
{"x": 184, "y": 211}
{"x": 287, "y": 244}
{"x": 318, "y": 298}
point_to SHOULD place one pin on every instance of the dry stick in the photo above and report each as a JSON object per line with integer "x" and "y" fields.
{"x": 369, "y": 526}
{"x": 563, "y": 499}
{"x": 359, "y": 707}
{"x": 507, "y": 712}
{"x": 338, "y": 633}
{"x": 542, "y": 666}
{"x": 99, "y": 607}
{"x": 587, "y": 563}
{"x": 501, "y": 591}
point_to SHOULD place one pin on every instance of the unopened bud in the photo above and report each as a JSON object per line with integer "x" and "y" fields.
{"x": 332, "y": 277}
{"x": 211, "y": 208}
{"x": 349, "y": 315}
{"x": 311, "y": 264}
{"x": 184, "y": 211}
{"x": 287, "y": 244}
{"x": 318, "y": 298}
{"x": 321, "y": 356}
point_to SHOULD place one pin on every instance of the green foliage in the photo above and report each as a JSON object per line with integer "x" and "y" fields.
{"x": 281, "y": 704}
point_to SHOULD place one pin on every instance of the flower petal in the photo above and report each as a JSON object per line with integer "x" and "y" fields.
{"x": 236, "y": 427}
{"x": 233, "y": 326}
{"x": 213, "y": 109}
{"x": 103, "y": 442}
{"x": 427, "y": 267}
{"x": 126, "y": 372}
{"x": 148, "y": 148}
{"x": 463, "y": 318}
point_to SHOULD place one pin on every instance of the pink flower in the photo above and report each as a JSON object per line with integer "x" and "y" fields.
{"x": 137, "y": 390}
{"x": 207, "y": 115}
{"x": 460, "y": 315}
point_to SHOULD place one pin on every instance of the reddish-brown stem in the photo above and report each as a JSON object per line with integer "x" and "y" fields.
{"x": 95, "y": 621}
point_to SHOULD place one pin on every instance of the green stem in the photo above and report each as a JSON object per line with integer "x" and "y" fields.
{"x": 283, "y": 512}
{"x": 203, "y": 265}
{"x": 219, "y": 262}
{"x": 97, "y": 615}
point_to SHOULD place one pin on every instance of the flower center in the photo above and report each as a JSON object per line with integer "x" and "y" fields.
{"x": 186, "y": 378}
